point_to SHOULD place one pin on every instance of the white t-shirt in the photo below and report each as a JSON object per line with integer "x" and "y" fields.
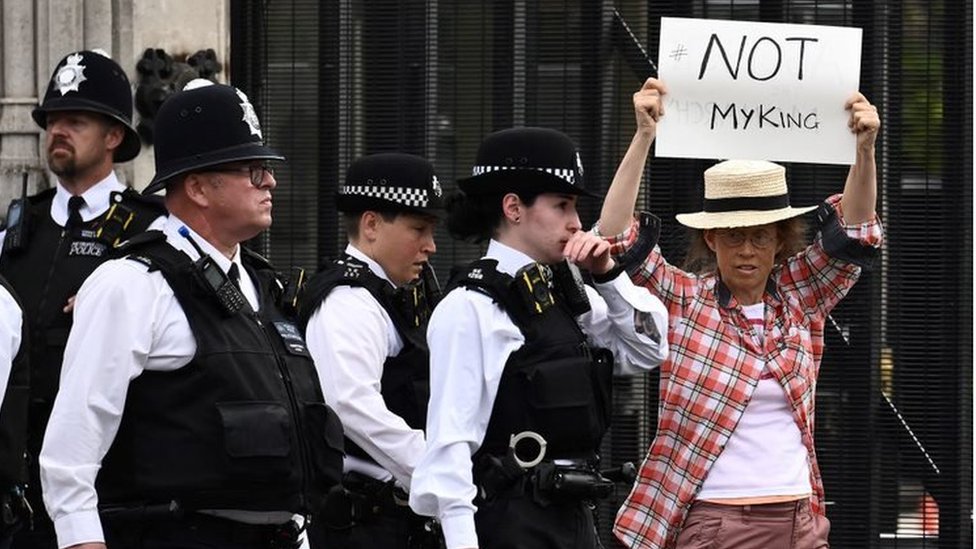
{"x": 765, "y": 455}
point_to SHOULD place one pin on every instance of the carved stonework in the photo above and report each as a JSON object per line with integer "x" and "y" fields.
{"x": 160, "y": 75}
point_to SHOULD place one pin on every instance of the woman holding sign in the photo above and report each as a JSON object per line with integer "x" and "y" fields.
{"x": 733, "y": 462}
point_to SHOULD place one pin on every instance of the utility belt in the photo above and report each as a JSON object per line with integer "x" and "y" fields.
{"x": 15, "y": 513}
{"x": 361, "y": 499}
{"x": 545, "y": 480}
{"x": 128, "y": 525}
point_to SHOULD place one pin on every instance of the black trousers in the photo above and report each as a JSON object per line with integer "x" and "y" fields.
{"x": 386, "y": 532}
{"x": 516, "y": 521}
{"x": 192, "y": 532}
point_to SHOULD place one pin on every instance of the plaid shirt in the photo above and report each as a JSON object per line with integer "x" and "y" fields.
{"x": 714, "y": 365}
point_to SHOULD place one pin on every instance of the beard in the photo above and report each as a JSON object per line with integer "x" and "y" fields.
{"x": 65, "y": 168}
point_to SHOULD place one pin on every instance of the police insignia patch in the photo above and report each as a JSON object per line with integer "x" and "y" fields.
{"x": 250, "y": 117}
{"x": 71, "y": 75}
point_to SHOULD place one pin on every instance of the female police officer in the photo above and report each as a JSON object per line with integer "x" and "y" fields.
{"x": 520, "y": 359}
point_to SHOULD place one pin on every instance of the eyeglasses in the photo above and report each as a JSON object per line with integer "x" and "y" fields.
{"x": 254, "y": 172}
{"x": 735, "y": 238}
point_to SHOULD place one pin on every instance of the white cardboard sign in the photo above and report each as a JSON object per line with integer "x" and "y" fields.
{"x": 761, "y": 91}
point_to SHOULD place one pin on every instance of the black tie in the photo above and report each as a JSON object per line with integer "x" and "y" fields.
{"x": 74, "y": 211}
{"x": 235, "y": 275}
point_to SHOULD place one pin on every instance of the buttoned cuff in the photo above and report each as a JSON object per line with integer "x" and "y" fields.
{"x": 459, "y": 531}
{"x": 79, "y": 527}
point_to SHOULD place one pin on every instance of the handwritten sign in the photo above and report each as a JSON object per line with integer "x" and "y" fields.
{"x": 761, "y": 91}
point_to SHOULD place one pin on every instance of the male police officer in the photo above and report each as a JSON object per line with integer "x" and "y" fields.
{"x": 366, "y": 315}
{"x": 56, "y": 238}
{"x": 14, "y": 377}
{"x": 189, "y": 402}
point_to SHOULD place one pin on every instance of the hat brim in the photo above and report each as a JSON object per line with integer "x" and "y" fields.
{"x": 356, "y": 203}
{"x": 739, "y": 218}
{"x": 250, "y": 151}
{"x": 131, "y": 144}
{"x": 502, "y": 181}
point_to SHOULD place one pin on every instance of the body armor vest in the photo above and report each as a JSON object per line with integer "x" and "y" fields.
{"x": 405, "y": 385}
{"x": 243, "y": 425}
{"x": 48, "y": 270}
{"x": 555, "y": 384}
{"x": 13, "y": 415}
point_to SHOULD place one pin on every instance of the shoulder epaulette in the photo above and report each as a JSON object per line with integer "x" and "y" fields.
{"x": 138, "y": 241}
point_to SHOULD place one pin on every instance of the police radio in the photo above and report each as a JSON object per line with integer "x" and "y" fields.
{"x": 18, "y": 221}
{"x": 215, "y": 279}
{"x": 568, "y": 282}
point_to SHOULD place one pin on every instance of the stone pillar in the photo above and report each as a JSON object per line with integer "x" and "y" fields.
{"x": 18, "y": 95}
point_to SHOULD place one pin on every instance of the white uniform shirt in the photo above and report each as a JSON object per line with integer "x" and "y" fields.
{"x": 470, "y": 340}
{"x": 126, "y": 320}
{"x": 96, "y": 201}
{"x": 350, "y": 336}
{"x": 11, "y": 322}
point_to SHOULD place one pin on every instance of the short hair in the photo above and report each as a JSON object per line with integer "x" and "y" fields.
{"x": 700, "y": 259}
{"x": 350, "y": 220}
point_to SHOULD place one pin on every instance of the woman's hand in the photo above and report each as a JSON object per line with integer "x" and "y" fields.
{"x": 589, "y": 252}
{"x": 649, "y": 106}
{"x": 864, "y": 121}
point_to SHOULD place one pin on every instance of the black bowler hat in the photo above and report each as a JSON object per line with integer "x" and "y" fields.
{"x": 529, "y": 159}
{"x": 391, "y": 182}
{"x": 205, "y": 125}
{"x": 92, "y": 81}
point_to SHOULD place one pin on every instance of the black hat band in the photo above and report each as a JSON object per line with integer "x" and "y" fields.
{"x": 568, "y": 175}
{"x": 407, "y": 196}
{"x": 739, "y": 203}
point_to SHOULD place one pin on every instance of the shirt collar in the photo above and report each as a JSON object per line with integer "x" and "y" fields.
{"x": 509, "y": 259}
{"x": 172, "y": 231}
{"x": 725, "y": 294}
{"x": 96, "y": 199}
{"x": 373, "y": 265}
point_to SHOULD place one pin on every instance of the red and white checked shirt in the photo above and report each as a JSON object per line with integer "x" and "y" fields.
{"x": 714, "y": 364}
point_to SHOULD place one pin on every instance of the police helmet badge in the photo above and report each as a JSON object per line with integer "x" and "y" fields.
{"x": 71, "y": 74}
{"x": 250, "y": 116}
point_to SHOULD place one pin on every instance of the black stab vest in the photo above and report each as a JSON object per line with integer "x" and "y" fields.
{"x": 243, "y": 425}
{"x": 555, "y": 384}
{"x": 49, "y": 270}
{"x": 405, "y": 384}
{"x": 13, "y": 414}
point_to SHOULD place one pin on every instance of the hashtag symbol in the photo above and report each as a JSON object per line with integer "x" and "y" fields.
{"x": 679, "y": 52}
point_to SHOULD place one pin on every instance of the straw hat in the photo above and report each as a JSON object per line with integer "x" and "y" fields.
{"x": 743, "y": 193}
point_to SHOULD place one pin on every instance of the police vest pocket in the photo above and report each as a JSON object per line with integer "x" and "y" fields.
{"x": 324, "y": 433}
{"x": 562, "y": 397}
{"x": 256, "y": 438}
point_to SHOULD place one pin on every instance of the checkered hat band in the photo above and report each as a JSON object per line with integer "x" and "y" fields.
{"x": 407, "y": 196}
{"x": 569, "y": 175}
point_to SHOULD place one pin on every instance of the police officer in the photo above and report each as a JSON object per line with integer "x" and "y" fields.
{"x": 14, "y": 377}
{"x": 183, "y": 377}
{"x": 58, "y": 237}
{"x": 366, "y": 316}
{"x": 521, "y": 358}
